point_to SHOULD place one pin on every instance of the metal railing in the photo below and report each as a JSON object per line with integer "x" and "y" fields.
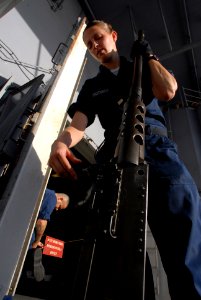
{"x": 192, "y": 98}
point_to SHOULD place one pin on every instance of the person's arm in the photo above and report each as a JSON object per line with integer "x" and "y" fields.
{"x": 39, "y": 231}
{"x": 164, "y": 84}
{"x": 61, "y": 157}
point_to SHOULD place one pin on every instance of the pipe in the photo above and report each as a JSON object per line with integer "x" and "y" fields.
{"x": 190, "y": 41}
{"x": 165, "y": 25}
{"x": 181, "y": 50}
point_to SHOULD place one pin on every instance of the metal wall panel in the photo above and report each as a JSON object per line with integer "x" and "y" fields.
{"x": 29, "y": 179}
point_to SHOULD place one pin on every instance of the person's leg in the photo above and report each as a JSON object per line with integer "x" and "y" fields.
{"x": 39, "y": 271}
{"x": 174, "y": 217}
{"x": 172, "y": 241}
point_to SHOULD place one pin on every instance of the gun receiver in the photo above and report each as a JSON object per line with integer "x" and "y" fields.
{"x": 130, "y": 216}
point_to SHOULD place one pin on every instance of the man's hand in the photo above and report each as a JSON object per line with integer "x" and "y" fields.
{"x": 141, "y": 48}
{"x": 37, "y": 244}
{"x": 61, "y": 158}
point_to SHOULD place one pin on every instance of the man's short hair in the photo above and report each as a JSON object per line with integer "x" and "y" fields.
{"x": 101, "y": 23}
{"x": 65, "y": 197}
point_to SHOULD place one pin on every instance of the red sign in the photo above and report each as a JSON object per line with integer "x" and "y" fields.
{"x": 53, "y": 247}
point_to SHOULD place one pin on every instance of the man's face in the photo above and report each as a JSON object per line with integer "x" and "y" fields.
{"x": 61, "y": 204}
{"x": 100, "y": 43}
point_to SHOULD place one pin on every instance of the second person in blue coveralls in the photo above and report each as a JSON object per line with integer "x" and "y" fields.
{"x": 51, "y": 201}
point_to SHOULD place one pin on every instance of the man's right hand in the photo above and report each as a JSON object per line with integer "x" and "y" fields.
{"x": 61, "y": 158}
{"x": 141, "y": 48}
{"x": 37, "y": 244}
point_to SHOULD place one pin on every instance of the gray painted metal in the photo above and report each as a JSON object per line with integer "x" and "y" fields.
{"x": 7, "y": 5}
{"x": 28, "y": 182}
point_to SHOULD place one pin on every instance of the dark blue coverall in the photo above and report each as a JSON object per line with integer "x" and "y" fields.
{"x": 174, "y": 211}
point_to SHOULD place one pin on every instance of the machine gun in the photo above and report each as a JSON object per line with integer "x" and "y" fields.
{"x": 113, "y": 255}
